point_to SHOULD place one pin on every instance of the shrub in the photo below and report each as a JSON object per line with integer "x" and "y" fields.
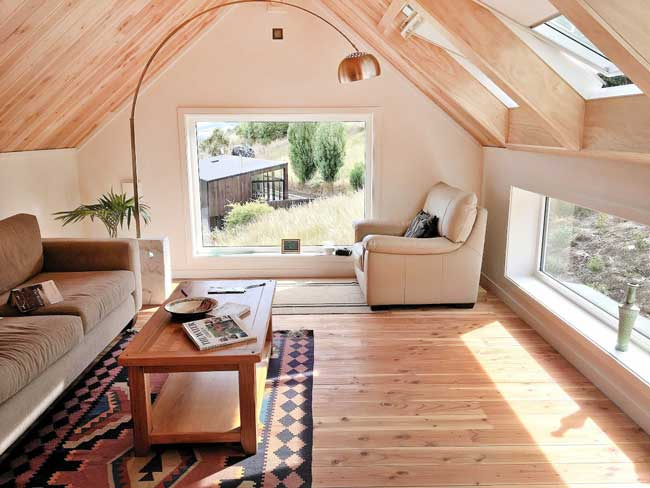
{"x": 244, "y": 213}
{"x": 301, "y": 149}
{"x": 357, "y": 176}
{"x": 559, "y": 237}
{"x": 555, "y": 265}
{"x": 263, "y": 132}
{"x": 595, "y": 264}
{"x": 330, "y": 150}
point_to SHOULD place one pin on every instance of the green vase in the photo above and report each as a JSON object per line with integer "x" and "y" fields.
{"x": 627, "y": 314}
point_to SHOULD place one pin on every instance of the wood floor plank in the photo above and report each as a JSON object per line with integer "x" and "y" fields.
{"x": 459, "y": 398}
{"x": 473, "y": 455}
{"x": 449, "y": 475}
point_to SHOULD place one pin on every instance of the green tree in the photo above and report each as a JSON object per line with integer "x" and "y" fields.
{"x": 301, "y": 149}
{"x": 214, "y": 144}
{"x": 262, "y": 132}
{"x": 357, "y": 176}
{"x": 330, "y": 150}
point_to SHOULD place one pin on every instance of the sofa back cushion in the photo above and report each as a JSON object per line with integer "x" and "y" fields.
{"x": 456, "y": 211}
{"x": 21, "y": 250}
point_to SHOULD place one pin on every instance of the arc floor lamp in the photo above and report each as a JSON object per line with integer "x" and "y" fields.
{"x": 354, "y": 67}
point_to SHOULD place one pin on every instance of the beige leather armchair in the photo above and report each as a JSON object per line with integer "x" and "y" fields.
{"x": 396, "y": 270}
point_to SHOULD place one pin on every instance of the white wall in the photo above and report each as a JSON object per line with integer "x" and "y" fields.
{"x": 616, "y": 187}
{"x": 236, "y": 64}
{"x": 40, "y": 183}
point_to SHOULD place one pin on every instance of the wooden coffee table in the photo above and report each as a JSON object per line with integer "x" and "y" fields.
{"x": 209, "y": 396}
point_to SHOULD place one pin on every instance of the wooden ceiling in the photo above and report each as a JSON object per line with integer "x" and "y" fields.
{"x": 68, "y": 65}
{"x": 552, "y": 116}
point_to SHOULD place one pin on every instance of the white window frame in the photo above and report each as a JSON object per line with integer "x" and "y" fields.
{"x": 188, "y": 117}
{"x": 599, "y": 311}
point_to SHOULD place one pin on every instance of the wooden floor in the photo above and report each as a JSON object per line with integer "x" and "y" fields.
{"x": 459, "y": 398}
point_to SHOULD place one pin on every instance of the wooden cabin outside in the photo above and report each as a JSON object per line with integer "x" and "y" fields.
{"x": 233, "y": 179}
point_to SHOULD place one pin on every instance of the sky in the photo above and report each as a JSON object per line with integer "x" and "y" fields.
{"x": 204, "y": 129}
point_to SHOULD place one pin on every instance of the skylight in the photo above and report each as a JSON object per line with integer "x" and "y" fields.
{"x": 561, "y": 31}
{"x": 427, "y": 31}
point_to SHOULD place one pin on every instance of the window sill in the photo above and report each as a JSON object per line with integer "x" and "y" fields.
{"x": 264, "y": 254}
{"x": 635, "y": 359}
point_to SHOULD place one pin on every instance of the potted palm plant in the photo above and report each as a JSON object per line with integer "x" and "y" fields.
{"x": 115, "y": 210}
{"x": 112, "y": 209}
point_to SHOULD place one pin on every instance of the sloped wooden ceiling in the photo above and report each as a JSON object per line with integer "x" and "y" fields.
{"x": 67, "y": 65}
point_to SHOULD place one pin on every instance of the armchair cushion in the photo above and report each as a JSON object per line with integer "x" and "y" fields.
{"x": 456, "y": 210}
{"x": 408, "y": 246}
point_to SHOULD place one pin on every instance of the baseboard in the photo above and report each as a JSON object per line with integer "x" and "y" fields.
{"x": 620, "y": 385}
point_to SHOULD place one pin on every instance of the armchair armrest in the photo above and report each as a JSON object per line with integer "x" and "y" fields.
{"x": 362, "y": 228}
{"x": 408, "y": 245}
{"x": 69, "y": 255}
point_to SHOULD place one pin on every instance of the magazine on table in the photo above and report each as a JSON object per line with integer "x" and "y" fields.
{"x": 31, "y": 297}
{"x": 214, "y": 332}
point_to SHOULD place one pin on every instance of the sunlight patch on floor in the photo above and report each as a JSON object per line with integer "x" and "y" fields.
{"x": 563, "y": 424}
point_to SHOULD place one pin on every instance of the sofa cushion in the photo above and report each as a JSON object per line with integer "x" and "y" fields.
{"x": 21, "y": 251}
{"x": 91, "y": 295}
{"x": 30, "y": 345}
{"x": 455, "y": 209}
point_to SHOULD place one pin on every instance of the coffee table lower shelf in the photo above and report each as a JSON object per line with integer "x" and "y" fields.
{"x": 203, "y": 407}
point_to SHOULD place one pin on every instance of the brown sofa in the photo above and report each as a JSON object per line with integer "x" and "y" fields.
{"x": 43, "y": 352}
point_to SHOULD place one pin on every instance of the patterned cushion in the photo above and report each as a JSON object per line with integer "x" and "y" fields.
{"x": 423, "y": 225}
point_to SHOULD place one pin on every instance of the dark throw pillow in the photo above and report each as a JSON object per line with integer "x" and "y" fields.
{"x": 419, "y": 225}
{"x": 423, "y": 225}
{"x": 432, "y": 228}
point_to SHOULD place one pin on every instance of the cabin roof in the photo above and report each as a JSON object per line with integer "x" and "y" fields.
{"x": 227, "y": 166}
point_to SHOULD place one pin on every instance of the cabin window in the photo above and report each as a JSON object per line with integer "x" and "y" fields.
{"x": 592, "y": 255}
{"x": 256, "y": 180}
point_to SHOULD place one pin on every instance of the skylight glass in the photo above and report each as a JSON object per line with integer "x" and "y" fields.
{"x": 562, "y": 32}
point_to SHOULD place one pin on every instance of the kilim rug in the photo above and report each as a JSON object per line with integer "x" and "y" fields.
{"x": 85, "y": 440}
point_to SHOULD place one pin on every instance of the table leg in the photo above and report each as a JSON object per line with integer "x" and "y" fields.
{"x": 140, "y": 409}
{"x": 248, "y": 407}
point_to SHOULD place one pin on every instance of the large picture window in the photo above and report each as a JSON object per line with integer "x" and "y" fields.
{"x": 258, "y": 179}
{"x": 594, "y": 255}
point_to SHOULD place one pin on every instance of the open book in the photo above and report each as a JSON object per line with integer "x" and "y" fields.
{"x": 31, "y": 297}
{"x": 214, "y": 332}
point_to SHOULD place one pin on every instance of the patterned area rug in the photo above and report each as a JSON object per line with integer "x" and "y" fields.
{"x": 86, "y": 439}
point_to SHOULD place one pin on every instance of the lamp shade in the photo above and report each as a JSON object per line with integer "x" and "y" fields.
{"x": 358, "y": 66}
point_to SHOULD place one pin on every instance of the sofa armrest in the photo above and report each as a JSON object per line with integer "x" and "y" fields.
{"x": 408, "y": 245}
{"x": 69, "y": 255}
{"x": 362, "y": 228}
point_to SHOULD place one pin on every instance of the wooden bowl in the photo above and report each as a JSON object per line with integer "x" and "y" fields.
{"x": 191, "y": 307}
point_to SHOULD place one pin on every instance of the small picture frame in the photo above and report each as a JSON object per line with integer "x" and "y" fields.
{"x": 290, "y": 246}
{"x": 277, "y": 33}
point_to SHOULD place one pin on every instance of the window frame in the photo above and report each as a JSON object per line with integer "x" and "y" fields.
{"x": 599, "y": 311}
{"x": 187, "y": 129}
